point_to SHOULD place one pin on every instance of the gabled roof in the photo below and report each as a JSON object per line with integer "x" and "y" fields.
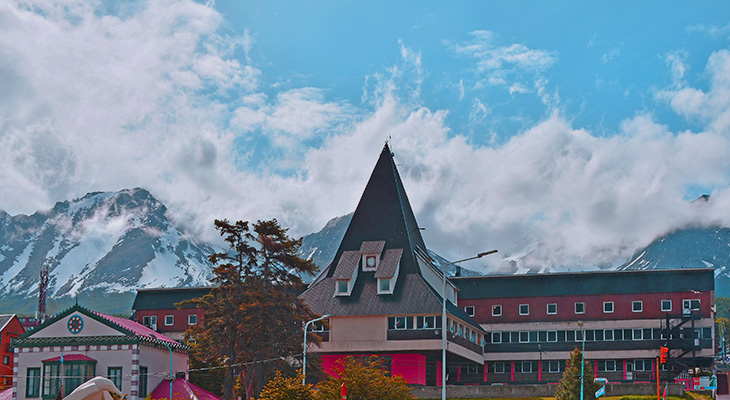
{"x": 131, "y": 331}
{"x": 5, "y": 320}
{"x": 383, "y": 220}
{"x": 69, "y": 357}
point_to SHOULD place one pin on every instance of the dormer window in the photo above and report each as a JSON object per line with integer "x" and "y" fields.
{"x": 385, "y": 286}
{"x": 343, "y": 287}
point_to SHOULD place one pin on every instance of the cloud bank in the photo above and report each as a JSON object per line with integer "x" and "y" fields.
{"x": 152, "y": 95}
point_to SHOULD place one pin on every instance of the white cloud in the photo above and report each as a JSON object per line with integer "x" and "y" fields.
{"x": 155, "y": 99}
{"x": 502, "y": 65}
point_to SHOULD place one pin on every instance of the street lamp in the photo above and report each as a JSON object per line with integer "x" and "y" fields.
{"x": 443, "y": 318}
{"x": 582, "y": 356}
{"x": 304, "y": 359}
{"x": 168, "y": 348}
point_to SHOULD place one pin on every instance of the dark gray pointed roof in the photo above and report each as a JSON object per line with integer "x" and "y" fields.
{"x": 383, "y": 220}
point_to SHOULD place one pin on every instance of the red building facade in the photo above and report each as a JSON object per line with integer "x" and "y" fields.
{"x": 10, "y": 328}
{"x": 157, "y": 310}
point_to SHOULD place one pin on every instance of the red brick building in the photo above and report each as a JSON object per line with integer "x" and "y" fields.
{"x": 10, "y": 328}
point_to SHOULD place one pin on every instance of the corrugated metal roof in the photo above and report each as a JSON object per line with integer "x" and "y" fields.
{"x": 349, "y": 261}
{"x": 586, "y": 283}
{"x": 389, "y": 263}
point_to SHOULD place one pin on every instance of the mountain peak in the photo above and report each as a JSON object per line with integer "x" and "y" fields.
{"x": 113, "y": 241}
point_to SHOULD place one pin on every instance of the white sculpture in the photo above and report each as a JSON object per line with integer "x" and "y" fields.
{"x": 97, "y": 388}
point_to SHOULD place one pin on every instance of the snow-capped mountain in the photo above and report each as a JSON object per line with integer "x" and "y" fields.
{"x": 102, "y": 244}
{"x": 689, "y": 248}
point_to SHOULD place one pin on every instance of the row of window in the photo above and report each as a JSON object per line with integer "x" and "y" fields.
{"x": 580, "y": 307}
{"x": 74, "y": 374}
{"x": 150, "y": 321}
{"x": 592, "y": 335}
{"x": 434, "y": 322}
{"x": 527, "y": 367}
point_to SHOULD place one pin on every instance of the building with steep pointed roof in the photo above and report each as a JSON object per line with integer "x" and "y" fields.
{"x": 10, "y": 328}
{"x": 383, "y": 292}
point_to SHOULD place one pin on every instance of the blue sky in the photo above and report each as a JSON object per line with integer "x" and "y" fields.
{"x": 565, "y": 134}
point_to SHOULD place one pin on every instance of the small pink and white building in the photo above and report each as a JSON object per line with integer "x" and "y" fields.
{"x": 79, "y": 344}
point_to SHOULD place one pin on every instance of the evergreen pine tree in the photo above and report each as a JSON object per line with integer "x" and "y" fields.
{"x": 569, "y": 386}
{"x": 253, "y": 317}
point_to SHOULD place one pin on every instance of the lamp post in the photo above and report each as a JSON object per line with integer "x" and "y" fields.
{"x": 582, "y": 356}
{"x": 443, "y": 318}
{"x": 168, "y": 348}
{"x": 304, "y": 358}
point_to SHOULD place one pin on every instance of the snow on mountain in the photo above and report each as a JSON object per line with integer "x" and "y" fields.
{"x": 105, "y": 243}
{"x": 698, "y": 247}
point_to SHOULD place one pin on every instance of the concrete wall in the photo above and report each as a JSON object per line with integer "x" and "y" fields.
{"x": 514, "y": 391}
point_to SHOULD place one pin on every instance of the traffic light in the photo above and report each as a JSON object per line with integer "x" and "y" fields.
{"x": 663, "y": 354}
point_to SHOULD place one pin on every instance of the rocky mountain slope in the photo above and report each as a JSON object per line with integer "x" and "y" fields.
{"x": 100, "y": 249}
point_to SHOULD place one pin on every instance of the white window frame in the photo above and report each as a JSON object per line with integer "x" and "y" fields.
{"x": 526, "y": 370}
{"x": 583, "y": 306}
{"x": 497, "y": 310}
{"x": 338, "y": 287}
{"x": 640, "y": 335}
{"x": 551, "y": 364}
{"x": 687, "y": 305}
{"x": 499, "y": 368}
{"x": 548, "y": 308}
{"x": 605, "y": 331}
{"x": 365, "y": 266}
{"x": 527, "y": 336}
{"x": 172, "y": 320}
{"x": 519, "y": 308}
{"x": 470, "y": 313}
{"x": 606, "y": 363}
{"x": 613, "y": 307}
{"x": 641, "y": 306}
{"x": 192, "y": 319}
{"x": 495, "y": 334}
{"x": 390, "y": 286}
{"x": 555, "y": 336}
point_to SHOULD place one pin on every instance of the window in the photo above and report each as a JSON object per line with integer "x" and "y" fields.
{"x": 552, "y": 336}
{"x": 666, "y": 305}
{"x": 580, "y": 308}
{"x": 607, "y": 307}
{"x": 554, "y": 366}
{"x": 318, "y": 326}
{"x": 400, "y": 322}
{"x": 689, "y": 305}
{"x": 469, "y": 310}
{"x": 638, "y": 334}
{"x": 552, "y": 308}
{"x": 6, "y": 360}
{"x": 370, "y": 263}
{"x": 384, "y": 286}
{"x": 472, "y": 369}
{"x": 33, "y": 382}
{"x": 115, "y": 375}
{"x": 496, "y": 337}
{"x": 496, "y": 310}
{"x": 150, "y": 321}
{"x": 637, "y": 306}
{"x": 524, "y": 309}
{"x": 74, "y": 372}
{"x": 428, "y": 322}
{"x": 608, "y": 335}
{"x": 526, "y": 367}
{"x": 498, "y": 367}
{"x": 142, "y": 393}
{"x": 524, "y": 337}
{"x": 343, "y": 286}
{"x": 169, "y": 320}
{"x": 192, "y": 319}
